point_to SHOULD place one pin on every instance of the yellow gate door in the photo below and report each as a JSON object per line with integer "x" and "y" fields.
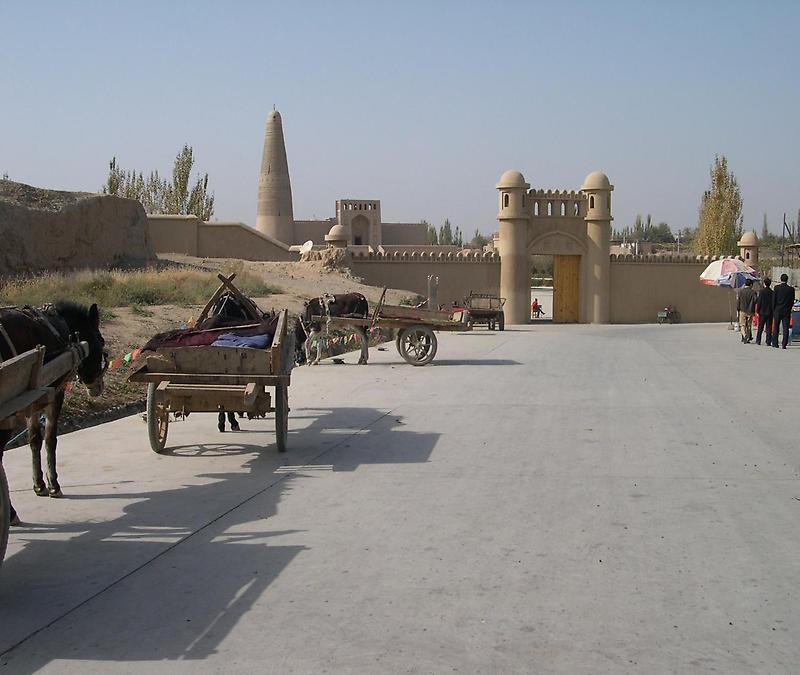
{"x": 566, "y": 279}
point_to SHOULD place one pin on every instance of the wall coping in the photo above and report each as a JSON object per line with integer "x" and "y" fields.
{"x": 425, "y": 256}
{"x": 667, "y": 259}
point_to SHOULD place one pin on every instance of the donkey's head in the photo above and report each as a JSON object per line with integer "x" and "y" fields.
{"x": 85, "y": 323}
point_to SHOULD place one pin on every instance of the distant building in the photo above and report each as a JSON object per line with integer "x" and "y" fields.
{"x": 361, "y": 218}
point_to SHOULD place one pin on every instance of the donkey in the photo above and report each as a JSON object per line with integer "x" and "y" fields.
{"x": 346, "y": 306}
{"x": 55, "y": 327}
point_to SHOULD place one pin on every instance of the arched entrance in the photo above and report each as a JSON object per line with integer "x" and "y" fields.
{"x": 568, "y": 255}
{"x": 359, "y": 230}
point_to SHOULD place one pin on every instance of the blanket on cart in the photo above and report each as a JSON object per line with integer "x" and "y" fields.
{"x": 196, "y": 338}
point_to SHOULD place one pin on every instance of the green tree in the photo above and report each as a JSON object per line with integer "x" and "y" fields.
{"x": 764, "y": 229}
{"x": 432, "y": 235}
{"x": 478, "y": 240}
{"x": 446, "y": 234}
{"x": 719, "y": 226}
{"x": 159, "y": 195}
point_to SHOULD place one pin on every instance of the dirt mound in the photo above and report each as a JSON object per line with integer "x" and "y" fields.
{"x": 56, "y": 230}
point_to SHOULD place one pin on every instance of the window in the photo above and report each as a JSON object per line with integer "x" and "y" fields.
{"x": 591, "y": 202}
{"x": 357, "y": 240}
{"x": 563, "y": 209}
{"x": 505, "y": 200}
{"x": 549, "y": 208}
{"x": 577, "y": 209}
{"x": 536, "y": 208}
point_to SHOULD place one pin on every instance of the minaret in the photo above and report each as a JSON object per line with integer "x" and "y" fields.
{"x": 597, "y": 189}
{"x": 274, "y": 216}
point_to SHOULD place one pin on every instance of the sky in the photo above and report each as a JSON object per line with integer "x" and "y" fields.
{"x": 422, "y": 105}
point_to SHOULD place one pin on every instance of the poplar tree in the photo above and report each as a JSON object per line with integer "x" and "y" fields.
{"x": 159, "y": 195}
{"x": 720, "y": 223}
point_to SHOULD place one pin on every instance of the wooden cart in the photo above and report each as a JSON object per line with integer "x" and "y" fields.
{"x": 416, "y": 340}
{"x": 26, "y": 389}
{"x": 485, "y": 308}
{"x": 183, "y": 380}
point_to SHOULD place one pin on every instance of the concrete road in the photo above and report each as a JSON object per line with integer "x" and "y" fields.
{"x": 572, "y": 499}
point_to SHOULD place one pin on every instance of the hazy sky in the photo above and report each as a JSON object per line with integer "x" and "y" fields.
{"x": 419, "y": 104}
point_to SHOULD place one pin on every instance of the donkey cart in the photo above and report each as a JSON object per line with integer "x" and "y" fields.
{"x": 416, "y": 341}
{"x": 485, "y": 308}
{"x": 26, "y": 389}
{"x": 207, "y": 378}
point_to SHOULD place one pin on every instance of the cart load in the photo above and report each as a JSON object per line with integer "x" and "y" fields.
{"x": 234, "y": 358}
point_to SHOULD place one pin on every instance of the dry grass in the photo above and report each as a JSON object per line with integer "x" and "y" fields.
{"x": 125, "y": 288}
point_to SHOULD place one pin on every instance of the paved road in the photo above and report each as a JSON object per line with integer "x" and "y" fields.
{"x": 552, "y": 499}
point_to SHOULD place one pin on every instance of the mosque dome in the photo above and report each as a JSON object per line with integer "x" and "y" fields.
{"x": 596, "y": 180}
{"x": 337, "y": 233}
{"x": 748, "y": 239}
{"x": 512, "y": 179}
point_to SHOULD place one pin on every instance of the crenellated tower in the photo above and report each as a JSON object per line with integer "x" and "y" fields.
{"x": 274, "y": 216}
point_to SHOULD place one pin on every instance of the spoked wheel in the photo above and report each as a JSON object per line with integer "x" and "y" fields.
{"x": 282, "y": 416}
{"x": 157, "y": 420}
{"x": 501, "y": 321}
{"x": 492, "y": 324}
{"x": 5, "y": 514}
{"x": 417, "y": 345}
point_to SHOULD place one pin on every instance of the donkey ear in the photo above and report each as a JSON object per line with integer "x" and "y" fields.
{"x": 94, "y": 316}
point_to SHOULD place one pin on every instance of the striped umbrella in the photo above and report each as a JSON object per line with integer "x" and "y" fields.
{"x": 727, "y": 272}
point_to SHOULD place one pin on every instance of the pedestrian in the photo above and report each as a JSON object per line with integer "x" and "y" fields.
{"x": 764, "y": 309}
{"x": 746, "y": 306}
{"x": 782, "y": 302}
{"x": 231, "y": 420}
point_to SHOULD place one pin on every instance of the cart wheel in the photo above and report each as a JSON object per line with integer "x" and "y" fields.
{"x": 492, "y": 324}
{"x": 282, "y": 416}
{"x": 5, "y": 514}
{"x": 418, "y": 345}
{"x": 157, "y": 420}
{"x": 501, "y": 321}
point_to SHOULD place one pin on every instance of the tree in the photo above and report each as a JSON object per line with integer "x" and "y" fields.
{"x": 458, "y": 237}
{"x": 446, "y": 234}
{"x": 433, "y": 237}
{"x": 478, "y": 240}
{"x": 158, "y": 195}
{"x": 764, "y": 229}
{"x": 720, "y": 223}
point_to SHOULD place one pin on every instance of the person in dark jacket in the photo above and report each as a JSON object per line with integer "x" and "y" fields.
{"x": 764, "y": 309}
{"x": 746, "y": 306}
{"x": 782, "y": 302}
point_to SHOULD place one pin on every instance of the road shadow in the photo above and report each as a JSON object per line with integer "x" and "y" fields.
{"x": 93, "y": 580}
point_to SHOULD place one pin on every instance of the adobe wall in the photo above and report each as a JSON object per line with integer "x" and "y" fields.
{"x": 315, "y": 230}
{"x": 399, "y": 234}
{"x": 58, "y": 230}
{"x": 190, "y": 236}
{"x": 643, "y": 285}
{"x": 458, "y": 275}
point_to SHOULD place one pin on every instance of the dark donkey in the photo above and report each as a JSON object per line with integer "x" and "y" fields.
{"x": 54, "y": 327}
{"x": 345, "y": 306}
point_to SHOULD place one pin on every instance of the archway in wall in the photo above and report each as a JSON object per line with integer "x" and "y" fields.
{"x": 359, "y": 228}
{"x": 563, "y": 251}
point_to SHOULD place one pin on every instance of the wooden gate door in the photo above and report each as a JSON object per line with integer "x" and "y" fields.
{"x": 566, "y": 280}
